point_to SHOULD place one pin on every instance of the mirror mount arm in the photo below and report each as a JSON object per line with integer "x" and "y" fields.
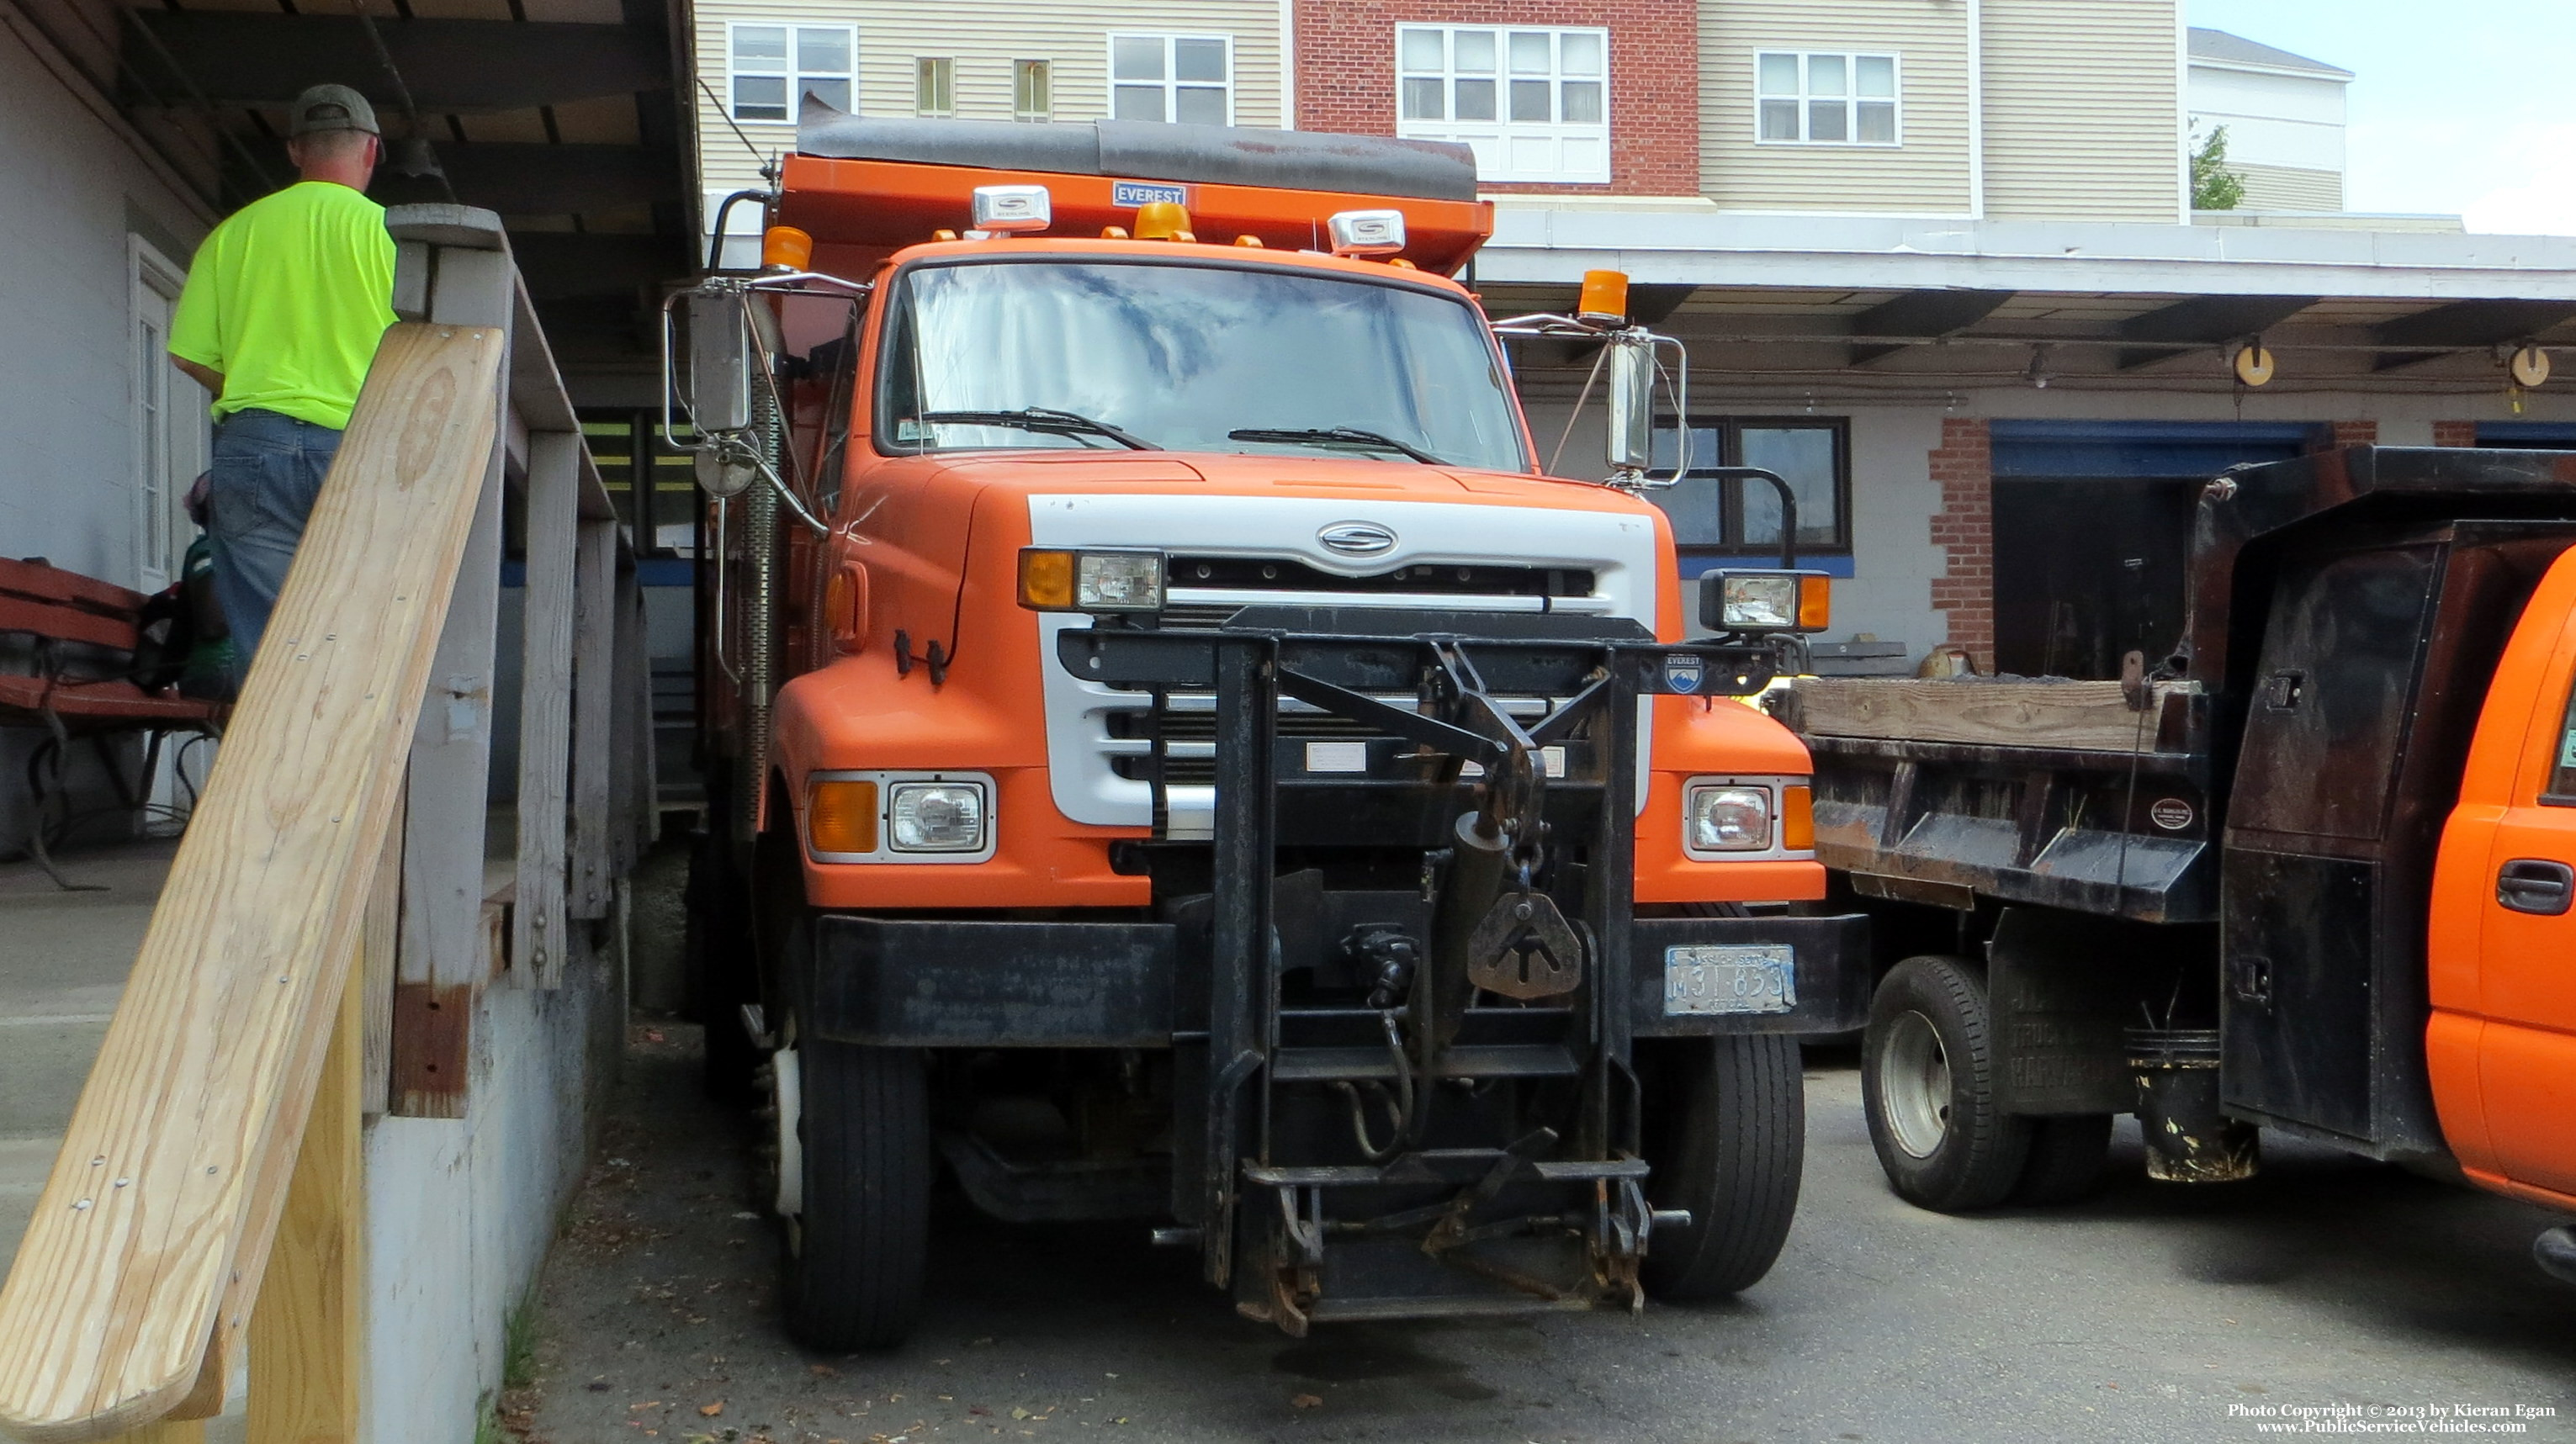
{"x": 1788, "y": 502}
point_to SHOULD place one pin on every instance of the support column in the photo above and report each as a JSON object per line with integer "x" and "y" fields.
{"x": 2455, "y": 433}
{"x": 1964, "y": 529}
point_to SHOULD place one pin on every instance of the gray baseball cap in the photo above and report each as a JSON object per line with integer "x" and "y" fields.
{"x": 330, "y": 107}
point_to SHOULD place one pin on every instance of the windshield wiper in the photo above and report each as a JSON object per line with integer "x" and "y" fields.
{"x": 1343, "y": 436}
{"x": 1042, "y": 419}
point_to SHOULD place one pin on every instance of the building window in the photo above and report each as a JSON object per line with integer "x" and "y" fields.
{"x": 934, "y": 86}
{"x": 1032, "y": 90}
{"x": 1823, "y": 98}
{"x": 1533, "y": 104}
{"x": 1172, "y": 77}
{"x": 774, "y": 66}
{"x": 1715, "y": 516}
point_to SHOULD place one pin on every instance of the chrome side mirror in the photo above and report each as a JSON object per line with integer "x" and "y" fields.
{"x": 719, "y": 379}
{"x": 1632, "y": 402}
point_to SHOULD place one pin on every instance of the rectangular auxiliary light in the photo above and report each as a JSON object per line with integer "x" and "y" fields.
{"x": 1008, "y": 210}
{"x": 1367, "y": 233}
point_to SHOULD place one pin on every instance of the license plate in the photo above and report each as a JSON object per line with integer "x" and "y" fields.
{"x": 1757, "y": 978}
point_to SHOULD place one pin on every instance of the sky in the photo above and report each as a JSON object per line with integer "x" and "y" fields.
{"x": 2457, "y": 107}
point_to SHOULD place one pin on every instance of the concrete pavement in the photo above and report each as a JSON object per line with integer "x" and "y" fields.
{"x": 2150, "y": 1313}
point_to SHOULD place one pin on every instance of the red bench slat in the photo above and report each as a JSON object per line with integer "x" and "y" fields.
{"x": 99, "y": 702}
{"x": 44, "y": 583}
{"x": 70, "y": 624}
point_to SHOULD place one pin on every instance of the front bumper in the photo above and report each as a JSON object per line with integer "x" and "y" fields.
{"x": 943, "y": 983}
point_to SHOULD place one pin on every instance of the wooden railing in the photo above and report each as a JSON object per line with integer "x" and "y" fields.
{"x": 210, "y": 1187}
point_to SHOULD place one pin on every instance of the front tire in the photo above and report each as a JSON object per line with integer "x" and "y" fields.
{"x": 1729, "y": 1147}
{"x": 1928, "y": 1084}
{"x": 857, "y": 1245}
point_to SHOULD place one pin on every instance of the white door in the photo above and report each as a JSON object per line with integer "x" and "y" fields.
{"x": 171, "y": 434}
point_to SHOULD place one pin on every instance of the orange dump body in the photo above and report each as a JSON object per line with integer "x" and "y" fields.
{"x": 862, "y": 211}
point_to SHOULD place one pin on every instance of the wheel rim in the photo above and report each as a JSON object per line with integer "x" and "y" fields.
{"x": 787, "y": 1108}
{"x": 1914, "y": 1085}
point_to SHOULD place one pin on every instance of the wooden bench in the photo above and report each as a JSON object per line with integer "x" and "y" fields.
{"x": 85, "y": 633}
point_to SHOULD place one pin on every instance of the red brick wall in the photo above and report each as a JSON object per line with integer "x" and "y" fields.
{"x": 1346, "y": 76}
{"x": 2353, "y": 433}
{"x": 2455, "y": 433}
{"x": 1964, "y": 529}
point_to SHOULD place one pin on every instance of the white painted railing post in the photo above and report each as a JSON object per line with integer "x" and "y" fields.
{"x": 537, "y": 940}
{"x": 443, "y": 960}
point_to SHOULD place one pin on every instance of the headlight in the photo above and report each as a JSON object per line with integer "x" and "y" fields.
{"x": 1767, "y": 601}
{"x": 1728, "y": 819}
{"x": 1067, "y": 581}
{"x": 936, "y": 817}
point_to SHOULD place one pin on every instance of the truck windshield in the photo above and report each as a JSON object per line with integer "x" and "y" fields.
{"x": 1181, "y": 357}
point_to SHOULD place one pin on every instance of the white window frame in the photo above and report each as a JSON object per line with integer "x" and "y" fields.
{"x": 946, "y": 67}
{"x": 1502, "y": 130}
{"x": 1021, "y": 69}
{"x": 1851, "y": 97}
{"x": 1171, "y": 83}
{"x": 786, "y": 69}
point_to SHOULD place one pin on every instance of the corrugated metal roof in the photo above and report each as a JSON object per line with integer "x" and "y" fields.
{"x": 2225, "y": 49}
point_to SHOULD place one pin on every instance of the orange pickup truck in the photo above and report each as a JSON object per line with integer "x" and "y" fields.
{"x": 2309, "y": 871}
{"x": 1174, "y": 757}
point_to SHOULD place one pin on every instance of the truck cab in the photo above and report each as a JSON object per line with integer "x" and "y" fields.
{"x": 1181, "y": 761}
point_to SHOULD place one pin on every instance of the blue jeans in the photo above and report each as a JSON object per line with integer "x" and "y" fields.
{"x": 268, "y": 469}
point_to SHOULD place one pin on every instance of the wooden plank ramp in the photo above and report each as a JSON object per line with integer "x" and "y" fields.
{"x": 168, "y": 1189}
{"x": 2076, "y": 716}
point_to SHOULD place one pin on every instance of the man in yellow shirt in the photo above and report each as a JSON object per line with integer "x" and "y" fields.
{"x": 280, "y": 318}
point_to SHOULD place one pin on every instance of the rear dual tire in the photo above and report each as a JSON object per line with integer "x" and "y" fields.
{"x": 1930, "y": 1086}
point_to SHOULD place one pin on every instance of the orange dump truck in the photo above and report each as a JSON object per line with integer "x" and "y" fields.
{"x": 2307, "y": 869}
{"x": 1175, "y": 757}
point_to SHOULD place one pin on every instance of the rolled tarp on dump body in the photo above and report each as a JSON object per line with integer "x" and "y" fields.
{"x": 865, "y": 187}
{"x": 1151, "y": 150}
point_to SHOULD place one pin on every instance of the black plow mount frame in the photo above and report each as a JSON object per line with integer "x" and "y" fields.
{"x": 1466, "y": 1140}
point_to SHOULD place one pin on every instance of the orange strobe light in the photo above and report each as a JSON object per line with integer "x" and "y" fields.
{"x": 1605, "y": 297}
{"x": 1162, "y": 221}
{"x": 785, "y": 248}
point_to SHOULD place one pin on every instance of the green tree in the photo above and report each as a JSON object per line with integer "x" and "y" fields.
{"x": 2213, "y": 186}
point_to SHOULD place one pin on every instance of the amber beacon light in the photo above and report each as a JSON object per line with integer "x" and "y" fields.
{"x": 785, "y": 248}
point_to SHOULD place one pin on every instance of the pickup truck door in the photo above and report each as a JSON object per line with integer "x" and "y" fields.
{"x": 2503, "y": 949}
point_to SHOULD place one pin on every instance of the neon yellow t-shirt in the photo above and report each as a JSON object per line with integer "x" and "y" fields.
{"x": 288, "y": 298}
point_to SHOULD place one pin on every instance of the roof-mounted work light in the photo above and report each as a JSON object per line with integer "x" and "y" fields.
{"x": 1367, "y": 233}
{"x": 1009, "y": 210}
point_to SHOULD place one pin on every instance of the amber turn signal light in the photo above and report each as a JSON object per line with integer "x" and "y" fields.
{"x": 845, "y": 607}
{"x": 1815, "y": 602}
{"x": 841, "y": 816}
{"x": 1797, "y": 819}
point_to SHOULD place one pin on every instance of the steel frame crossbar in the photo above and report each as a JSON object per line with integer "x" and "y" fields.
{"x": 1458, "y": 663}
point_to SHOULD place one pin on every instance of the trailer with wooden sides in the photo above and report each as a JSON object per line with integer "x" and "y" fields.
{"x": 2307, "y": 870}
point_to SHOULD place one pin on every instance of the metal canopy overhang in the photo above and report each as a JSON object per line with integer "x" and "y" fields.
{"x": 1884, "y": 303}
